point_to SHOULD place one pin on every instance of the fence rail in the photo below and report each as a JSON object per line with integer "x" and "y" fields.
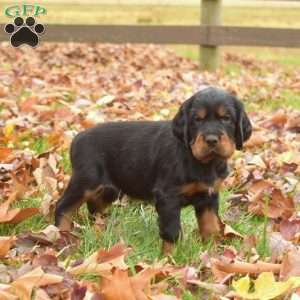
{"x": 192, "y": 35}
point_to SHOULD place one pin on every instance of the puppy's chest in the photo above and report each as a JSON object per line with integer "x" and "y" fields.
{"x": 208, "y": 183}
{"x": 199, "y": 187}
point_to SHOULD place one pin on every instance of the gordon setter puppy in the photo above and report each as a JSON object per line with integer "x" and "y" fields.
{"x": 171, "y": 163}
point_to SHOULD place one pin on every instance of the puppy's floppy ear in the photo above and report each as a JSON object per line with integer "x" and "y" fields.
{"x": 243, "y": 127}
{"x": 180, "y": 122}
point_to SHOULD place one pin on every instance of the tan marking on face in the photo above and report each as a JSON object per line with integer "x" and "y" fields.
{"x": 194, "y": 188}
{"x": 209, "y": 224}
{"x": 167, "y": 248}
{"x": 226, "y": 146}
{"x": 199, "y": 147}
{"x": 201, "y": 113}
{"x": 221, "y": 111}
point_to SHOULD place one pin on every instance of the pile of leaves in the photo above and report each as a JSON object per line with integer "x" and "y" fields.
{"x": 49, "y": 94}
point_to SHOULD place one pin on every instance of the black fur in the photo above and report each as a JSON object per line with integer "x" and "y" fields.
{"x": 152, "y": 160}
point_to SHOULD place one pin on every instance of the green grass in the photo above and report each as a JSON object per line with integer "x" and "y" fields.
{"x": 35, "y": 223}
{"x": 136, "y": 225}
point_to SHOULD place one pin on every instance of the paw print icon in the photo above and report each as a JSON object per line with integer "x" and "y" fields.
{"x": 24, "y": 33}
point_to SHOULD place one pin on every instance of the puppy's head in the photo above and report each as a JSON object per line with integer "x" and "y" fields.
{"x": 212, "y": 123}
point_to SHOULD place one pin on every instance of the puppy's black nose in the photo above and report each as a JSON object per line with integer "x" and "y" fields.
{"x": 212, "y": 140}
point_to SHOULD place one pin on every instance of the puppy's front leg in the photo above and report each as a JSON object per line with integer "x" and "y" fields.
{"x": 168, "y": 210}
{"x": 207, "y": 216}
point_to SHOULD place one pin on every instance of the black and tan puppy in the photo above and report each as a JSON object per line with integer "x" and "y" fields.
{"x": 171, "y": 163}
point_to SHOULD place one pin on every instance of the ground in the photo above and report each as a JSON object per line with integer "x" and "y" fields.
{"x": 49, "y": 94}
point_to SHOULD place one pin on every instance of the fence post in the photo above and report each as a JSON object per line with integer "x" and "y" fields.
{"x": 210, "y": 15}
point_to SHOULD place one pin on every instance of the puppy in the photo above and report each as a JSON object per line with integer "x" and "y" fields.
{"x": 169, "y": 163}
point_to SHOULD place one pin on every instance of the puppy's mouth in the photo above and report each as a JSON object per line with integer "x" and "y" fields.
{"x": 210, "y": 154}
{"x": 205, "y": 153}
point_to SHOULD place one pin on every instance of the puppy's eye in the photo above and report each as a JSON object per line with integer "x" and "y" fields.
{"x": 226, "y": 118}
{"x": 198, "y": 119}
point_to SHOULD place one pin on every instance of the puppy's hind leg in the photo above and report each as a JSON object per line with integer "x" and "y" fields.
{"x": 102, "y": 199}
{"x": 74, "y": 196}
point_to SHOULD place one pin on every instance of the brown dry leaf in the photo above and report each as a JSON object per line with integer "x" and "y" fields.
{"x": 5, "y": 153}
{"x": 118, "y": 286}
{"x": 278, "y": 245}
{"x": 15, "y": 215}
{"x": 102, "y": 261}
{"x": 5, "y": 244}
{"x": 278, "y": 119}
{"x": 118, "y": 251}
{"x": 290, "y": 229}
{"x": 290, "y": 264}
{"x": 5, "y": 295}
{"x": 218, "y": 288}
{"x": 229, "y": 232}
{"x": 220, "y": 275}
{"x": 293, "y": 122}
{"x": 41, "y": 295}
{"x": 257, "y": 139}
{"x": 141, "y": 282}
{"x": 265, "y": 199}
{"x": 163, "y": 297}
{"x": 24, "y": 285}
{"x": 222, "y": 268}
{"x": 121, "y": 286}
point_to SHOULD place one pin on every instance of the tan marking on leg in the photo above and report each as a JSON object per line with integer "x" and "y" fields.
{"x": 99, "y": 205}
{"x": 208, "y": 224}
{"x": 95, "y": 197}
{"x": 65, "y": 223}
{"x": 167, "y": 248}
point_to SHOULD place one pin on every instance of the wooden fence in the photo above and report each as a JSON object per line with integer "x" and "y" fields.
{"x": 208, "y": 35}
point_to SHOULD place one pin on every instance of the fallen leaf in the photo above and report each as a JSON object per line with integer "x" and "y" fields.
{"x": 290, "y": 229}
{"x": 40, "y": 294}
{"x": 5, "y": 153}
{"x": 265, "y": 199}
{"x": 278, "y": 245}
{"x": 5, "y": 244}
{"x": 102, "y": 261}
{"x": 290, "y": 265}
{"x": 5, "y": 295}
{"x": 121, "y": 286}
{"x": 15, "y": 215}
{"x": 23, "y": 286}
{"x": 220, "y": 289}
{"x": 163, "y": 297}
{"x": 257, "y": 139}
{"x": 229, "y": 232}
{"x": 265, "y": 286}
{"x": 222, "y": 268}
{"x": 278, "y": 119}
